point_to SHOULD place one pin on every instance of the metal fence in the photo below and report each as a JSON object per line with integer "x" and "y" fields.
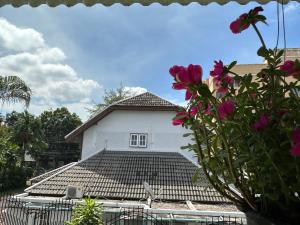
{"x": 16, "y": 211}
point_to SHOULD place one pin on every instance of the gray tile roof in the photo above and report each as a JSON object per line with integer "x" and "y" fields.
{"x": 41, "y": 177}
{"x": 121, "y": 174}
{"x": 142, "y": 102}
{"x": 145, "y": 99}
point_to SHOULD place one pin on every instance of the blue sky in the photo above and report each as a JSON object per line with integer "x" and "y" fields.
{"x": 83, "y": 50}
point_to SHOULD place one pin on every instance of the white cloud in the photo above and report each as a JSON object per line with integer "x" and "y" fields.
{"x": 290, "y": 7}
{"x": 53, "y": 82}
{"x": 135, "y": 90}
{"x": 19, "y": 39}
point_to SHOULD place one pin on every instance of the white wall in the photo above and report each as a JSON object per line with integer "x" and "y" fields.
{"x": 113, "y": 133}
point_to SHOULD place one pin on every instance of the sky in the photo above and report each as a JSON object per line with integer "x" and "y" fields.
{"x": 69, "y": 56}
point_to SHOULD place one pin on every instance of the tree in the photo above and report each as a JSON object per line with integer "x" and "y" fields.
{"x": 56, "y": 124}
{"x": 13, "y": 89}
{"x": 10, "y": 166}
{"x": 111, "y": 96}
{"x": 27, "y": 133}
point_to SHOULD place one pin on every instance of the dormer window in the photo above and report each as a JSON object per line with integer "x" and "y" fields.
{"x": 138, "y": 140}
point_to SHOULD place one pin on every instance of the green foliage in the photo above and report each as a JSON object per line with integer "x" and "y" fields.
{"x": 13, "y": 89}
{"x": 87, "y": 213}
{"x": 242, "y": 150}
{"x": 26, "y": 132}
{"x": 9, "y": 163}
{"x": 111, "y": 96}
{"x": 56, "y": 124}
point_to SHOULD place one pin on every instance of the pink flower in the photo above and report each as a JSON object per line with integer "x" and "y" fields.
{"x": 207, "y": 110}
{"x": 295, "y": 150}
{"x": 222, "y": 90}
{"x": 228, "y": 79}
{"x": 185, "y": 77}
{"x": 288, "y": 66}
{"x": 261, "y": 123}
{"x": 180, "y": 118}
{"x": 291, "y": 68}
{"x": 195, "y": 73}
{"x": 244, "y": 20}
{"x": 240, "y": 24}
{"x": 222, "y": 83}
{"x": 194, "y": 110}
{"x": 296, "y": 136}
{"x": 226, "y": 109}
{"x": 175, "y": 70}
{"x": 218, "y": 69}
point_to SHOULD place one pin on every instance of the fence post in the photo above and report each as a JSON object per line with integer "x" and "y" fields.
{"x": 31, "y": 219}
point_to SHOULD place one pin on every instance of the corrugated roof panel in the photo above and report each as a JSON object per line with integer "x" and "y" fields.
{"x": 54, "y": 3}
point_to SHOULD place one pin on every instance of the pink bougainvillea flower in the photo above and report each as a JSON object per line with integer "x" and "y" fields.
{"x": 218, "y": 69}
{"x": 177, "y": 122}
{"x": 179, "y": 86}
{"x": 292, "y": 68}
{"x": 295, "y": 150}
{"x": 226, "y": 109}
{"x": 262, "y": 123}
{"x": 288, "y": 66}
{"x": 188, "y": 95}
{"x": 186, "y": 76}
{"x": 244, "y": 20}
{"x": 222, "y": 83}
{"x": 180, "y": 118}
{"x": 195, "y": 73}
{"x": 175, "y": 70}
{"x": 296, "y": 136}
{"x": 222, "y": 90}
{"x": 228, "y": 79}
{"x": 240, "y": 24}
{"x": 194, "y": 110}
{"x": 207, "y": 111}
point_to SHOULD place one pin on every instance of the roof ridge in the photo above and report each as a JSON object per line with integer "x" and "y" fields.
{"x": 163, "y": 98}
{"x": 61, "y": 167}
{"x": 115, "y": 103}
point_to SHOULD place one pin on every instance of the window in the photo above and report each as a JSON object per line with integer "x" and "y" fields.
{"x": 138, "y": 140}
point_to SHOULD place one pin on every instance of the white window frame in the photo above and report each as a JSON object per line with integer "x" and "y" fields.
{"x": 138, "y": 140}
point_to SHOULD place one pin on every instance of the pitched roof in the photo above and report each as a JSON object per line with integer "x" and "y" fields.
{"x": 121, "y": 174}
{"x": 143, "y": 102}
{"x": 41, "y": 177}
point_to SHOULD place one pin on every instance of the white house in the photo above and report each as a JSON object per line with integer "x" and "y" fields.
{"x": 139, "y": 123}
{"x": 132, "y": 157}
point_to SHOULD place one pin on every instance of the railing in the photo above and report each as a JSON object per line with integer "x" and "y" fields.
{"x": 17, "y": 211}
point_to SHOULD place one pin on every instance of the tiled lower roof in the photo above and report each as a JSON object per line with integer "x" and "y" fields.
{"x": 41, "y": 177}
{"x": 121, "y": 174}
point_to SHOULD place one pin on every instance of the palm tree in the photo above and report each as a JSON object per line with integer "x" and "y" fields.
{"x": 13, "y": 89}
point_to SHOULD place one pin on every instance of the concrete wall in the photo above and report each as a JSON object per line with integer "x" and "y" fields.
{"x": 113, "y": 133}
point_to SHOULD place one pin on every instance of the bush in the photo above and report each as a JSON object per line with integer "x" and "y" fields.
{"x": 87, "y": 213}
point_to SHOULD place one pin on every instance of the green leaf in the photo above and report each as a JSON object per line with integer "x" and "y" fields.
{"x": 204, "y": 90}
{"x": 187, "y": 134}
{"x": 263, "y": 52}
{"x": 196, "y": 176}
{"x": 231, "y": 65}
